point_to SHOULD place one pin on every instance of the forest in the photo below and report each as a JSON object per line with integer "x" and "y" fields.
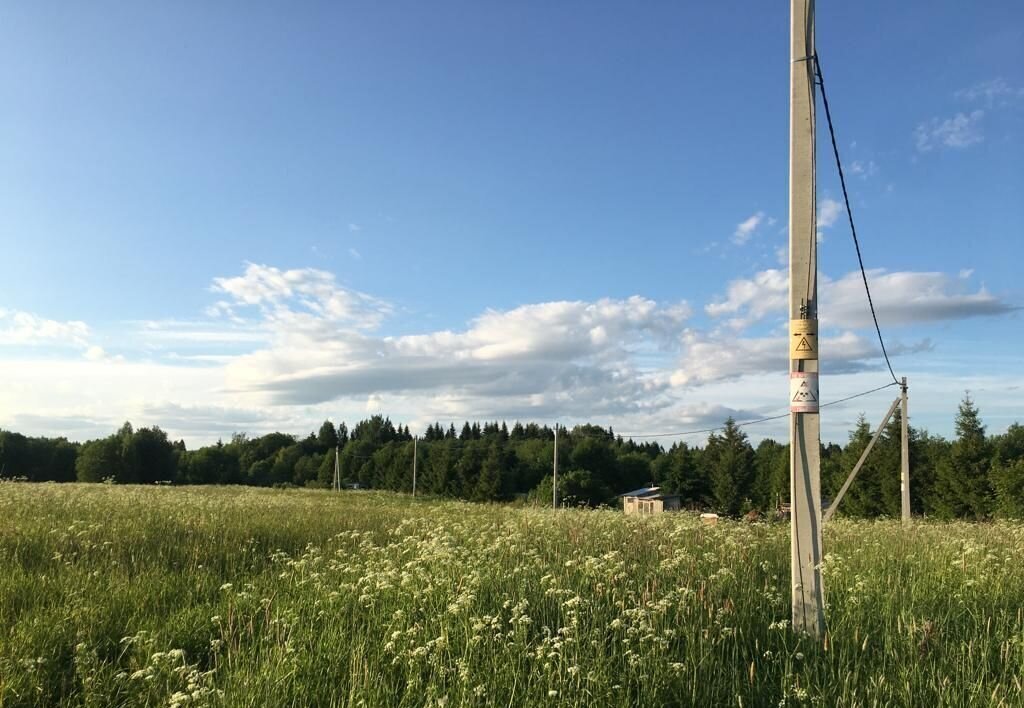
{"x": 973, "y": 476}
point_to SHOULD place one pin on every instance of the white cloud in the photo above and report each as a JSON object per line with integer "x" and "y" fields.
{"x": 354, "y": 228}
{"x": 992, "y": 92}
{"x": 905, "y": 297}
{"x": 307, "y": 349}
{"x": 960, "y": 131}
{"x": 828, "y": 211}
{"x": 746, "y": 228}
{"x": 864, "y": 170}
{"x": 767, "y": 292}
{"x": 302, "y": 297}
{"x": 712, "y": 357}
{"x": 236, "y": 331}
{"x": 26, "y": 328}
{"x": 588, "y": 348}
{"x": 355, "y": 254}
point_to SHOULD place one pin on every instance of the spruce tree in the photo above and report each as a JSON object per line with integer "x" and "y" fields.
{"x": 962, "y": 486}
{"x": 730, "y": 464}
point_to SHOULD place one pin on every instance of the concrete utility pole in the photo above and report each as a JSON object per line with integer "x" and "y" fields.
{"x": 414, "y": 466}
{"x": 808, "y": 598}
{"x": 337, "y": 470}
{"x": 904, "y": 456}
{"x": 554, "y": 473}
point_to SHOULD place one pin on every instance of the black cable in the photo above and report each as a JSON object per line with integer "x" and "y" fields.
{"x": 858, "y": 395}
{"x": 752, "y": 422}
{"x": 849, "y": 214}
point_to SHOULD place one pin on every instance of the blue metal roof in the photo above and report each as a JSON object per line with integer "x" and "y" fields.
{"x": 642, "y": 492}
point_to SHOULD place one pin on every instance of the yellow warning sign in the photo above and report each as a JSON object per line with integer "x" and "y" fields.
{"x": 803, "y": 339}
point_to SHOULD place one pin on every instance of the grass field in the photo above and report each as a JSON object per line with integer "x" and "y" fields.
{"x": 240, "y": 596}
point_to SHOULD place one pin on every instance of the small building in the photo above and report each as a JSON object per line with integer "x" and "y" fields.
{"x": 649, "y": 500}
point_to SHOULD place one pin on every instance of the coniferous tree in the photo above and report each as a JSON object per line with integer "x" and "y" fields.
{"x": 677, "y": 471}
{"x": 729, "y": 460}
{"x": 488, "y": 485}
{"x": 962, "y": 485}
{"x": 771, "y": 475}
{"x": 862, "y": 498}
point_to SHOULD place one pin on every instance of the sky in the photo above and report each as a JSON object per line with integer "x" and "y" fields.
{"x": 257, "y": 216}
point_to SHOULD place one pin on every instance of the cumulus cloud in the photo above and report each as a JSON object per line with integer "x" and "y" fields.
{"x": 711, "y": 357}
{"x": 588, "y": 348}
{"x": 902, "y": 297}
{"x": 753, "y": 298}
{"x": 300, "y": 298}
{"x": 746, "y": 228}
{"x": 960, "y": 131}
{"x": 828, "y": 211}
{"x": 284, "y": 349}
{"x": 26, "y": 328}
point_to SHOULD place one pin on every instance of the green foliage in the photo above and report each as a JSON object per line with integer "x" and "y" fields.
{"x": 99, "y": 460}
{"x": 969, "y": 477}
{"x": 327, "y": 438}
{"x": 771, "y": 475}
{"x": 1008, "y": 485}
{"x": 729, "y": 461}
{"x": 963, "y": 488}
{"x": 37, "y": 459}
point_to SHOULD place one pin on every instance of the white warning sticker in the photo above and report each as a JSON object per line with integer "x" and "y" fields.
{"x": 803, "y": 392}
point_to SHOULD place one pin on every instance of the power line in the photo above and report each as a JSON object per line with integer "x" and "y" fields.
{"x": 858, "y": 395}
{"x": 753, "y": 422}
{"x": 849, "y": 214}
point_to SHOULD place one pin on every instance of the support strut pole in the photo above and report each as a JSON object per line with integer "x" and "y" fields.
{"x": 863, "y": 456}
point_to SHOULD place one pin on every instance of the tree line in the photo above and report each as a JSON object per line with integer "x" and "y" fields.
{"x": 974, "y": 475}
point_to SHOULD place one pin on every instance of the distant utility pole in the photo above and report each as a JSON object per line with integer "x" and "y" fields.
{"x": 337, "y": 470}
{"x": 554, "y": 473}
{"x": 904, "y": 456}
{"x": 414, "y": 466}
{"x": 808, "y": 593}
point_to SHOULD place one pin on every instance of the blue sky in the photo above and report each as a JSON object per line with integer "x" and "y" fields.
{"x": 255, "y": 216}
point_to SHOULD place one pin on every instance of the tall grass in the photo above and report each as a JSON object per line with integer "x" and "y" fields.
{"x": 240, "y": 596}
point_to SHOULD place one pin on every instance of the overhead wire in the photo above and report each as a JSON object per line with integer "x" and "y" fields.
{"x": 849, "y": 213}
{"x": 745, "y": 423}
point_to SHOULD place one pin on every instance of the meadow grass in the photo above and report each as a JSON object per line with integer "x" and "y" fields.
{"x": 127, "y": 596}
